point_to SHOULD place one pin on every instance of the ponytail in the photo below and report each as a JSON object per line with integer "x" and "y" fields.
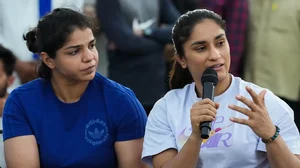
{"x": 179, "y": 77}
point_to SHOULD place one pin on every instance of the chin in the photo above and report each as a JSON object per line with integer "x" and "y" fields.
{"x": 88, "y": 77}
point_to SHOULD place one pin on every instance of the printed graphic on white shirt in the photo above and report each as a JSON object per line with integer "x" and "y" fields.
{"x": 220, "y": 136}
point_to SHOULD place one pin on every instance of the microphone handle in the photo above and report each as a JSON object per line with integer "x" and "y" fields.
{"x": 208, "y": 92}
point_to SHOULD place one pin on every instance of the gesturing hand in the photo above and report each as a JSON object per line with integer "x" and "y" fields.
{"x": 259, "y": 120}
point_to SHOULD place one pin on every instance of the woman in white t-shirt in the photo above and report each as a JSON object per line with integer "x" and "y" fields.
{"x": 251, "y": 127}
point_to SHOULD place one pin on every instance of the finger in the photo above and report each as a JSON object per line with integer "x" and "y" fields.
{"x": 239, "y": 121}
{"x": 201, "y": 112}
{"x": 247, "y": 102}
{"x": 209, "y": 107}
{"x": 261, "y": 95}
{"x": 242, "y": 110}
{"x": 253, "y": 94}
{"x": 207, "y": 101}
{"x": 217, "y": 105}
{"x": 200, "y": 119}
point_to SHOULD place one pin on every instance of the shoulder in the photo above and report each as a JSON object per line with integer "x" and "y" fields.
{"x": 112, "y": 90}
{"x": 30, "y": 89}
{"x": 26, "y": 96}
{"x": 177, "y": 94}
{"x": 122, "y": 104}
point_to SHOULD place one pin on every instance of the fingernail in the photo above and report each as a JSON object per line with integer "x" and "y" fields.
{"x": 231, "y": 118}
{"x": 230, "y": 106}
{"x": 238, "y": 96}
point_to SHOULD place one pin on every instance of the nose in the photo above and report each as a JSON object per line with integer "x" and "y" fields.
{"x": 88, "y": 55}
{"x": 214, "y": 53}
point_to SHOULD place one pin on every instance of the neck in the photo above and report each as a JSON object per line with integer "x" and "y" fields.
{"x": 221, "y": 87}
{"x": 68, "y": 92}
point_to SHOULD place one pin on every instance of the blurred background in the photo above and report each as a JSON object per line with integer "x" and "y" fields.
{"x": 135, "y": 46}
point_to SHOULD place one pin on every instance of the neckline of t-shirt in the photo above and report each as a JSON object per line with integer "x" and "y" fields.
{"x": 82, "y": 98}
{"x": 216, "y": 98}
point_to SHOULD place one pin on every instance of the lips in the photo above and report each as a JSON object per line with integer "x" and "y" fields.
{"x": 216, "y": 66}
{"x": 90, "y": 67}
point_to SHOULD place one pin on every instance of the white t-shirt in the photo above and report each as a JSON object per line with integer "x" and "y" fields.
{"x": 232, "y": 145}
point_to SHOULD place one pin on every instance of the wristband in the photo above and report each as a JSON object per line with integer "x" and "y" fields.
{"x": 274, "y": 136}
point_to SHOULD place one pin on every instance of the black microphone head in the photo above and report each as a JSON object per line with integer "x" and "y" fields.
{"x": 209, "y": 75}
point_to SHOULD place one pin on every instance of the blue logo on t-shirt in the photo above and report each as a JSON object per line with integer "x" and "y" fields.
{"x": 96, "y": 132}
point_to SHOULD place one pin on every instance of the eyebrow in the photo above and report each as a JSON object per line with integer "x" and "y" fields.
{"x": 78, "y": 46}
{"x": 203, "y": 42}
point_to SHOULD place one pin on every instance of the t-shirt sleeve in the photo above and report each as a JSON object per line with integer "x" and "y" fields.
{"x": 132, "y": 118}
{"x": 283, "y": 116}
{"x": 15, "y": 122}
{"x": 158, "y": 136}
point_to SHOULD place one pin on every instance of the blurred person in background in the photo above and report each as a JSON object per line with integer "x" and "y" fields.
{"x": 90, "y": 10}
{"x": 16, "y": 18}
{"x": 273, "y": 53}
{"x": 235, "y": 13}
{"x": 138, "y": 31}
{"x": 7, "y": 65}
{"x": 186, "y": 5}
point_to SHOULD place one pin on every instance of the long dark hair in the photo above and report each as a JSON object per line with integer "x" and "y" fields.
{"x": 182, "y": 30}
{"x": 52, "y": 32}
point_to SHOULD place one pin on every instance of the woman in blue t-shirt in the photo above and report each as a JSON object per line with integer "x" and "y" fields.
{"x": 71, "y": 116}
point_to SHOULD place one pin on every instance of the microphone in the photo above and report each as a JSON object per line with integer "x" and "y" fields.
{"x": 209, "y": 80}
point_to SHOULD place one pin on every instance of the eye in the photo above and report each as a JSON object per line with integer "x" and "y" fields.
{"x": 201, "y": 48}
{"x": 221, "y": 43}
{"x": 91, "y": 46}
{"x": 74, "y": 52}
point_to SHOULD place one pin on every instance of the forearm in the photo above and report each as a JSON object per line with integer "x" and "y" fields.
{"x": 162, "y": 35}
{"x": 188, "y": 156}
{"x": 280, "y": 156}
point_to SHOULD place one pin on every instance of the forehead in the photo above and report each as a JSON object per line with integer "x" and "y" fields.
{"x": 206, "y": 30}
{"x": 79, "y": 36}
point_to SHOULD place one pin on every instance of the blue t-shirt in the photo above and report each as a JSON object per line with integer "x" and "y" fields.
{"x": 80, "y": 134}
